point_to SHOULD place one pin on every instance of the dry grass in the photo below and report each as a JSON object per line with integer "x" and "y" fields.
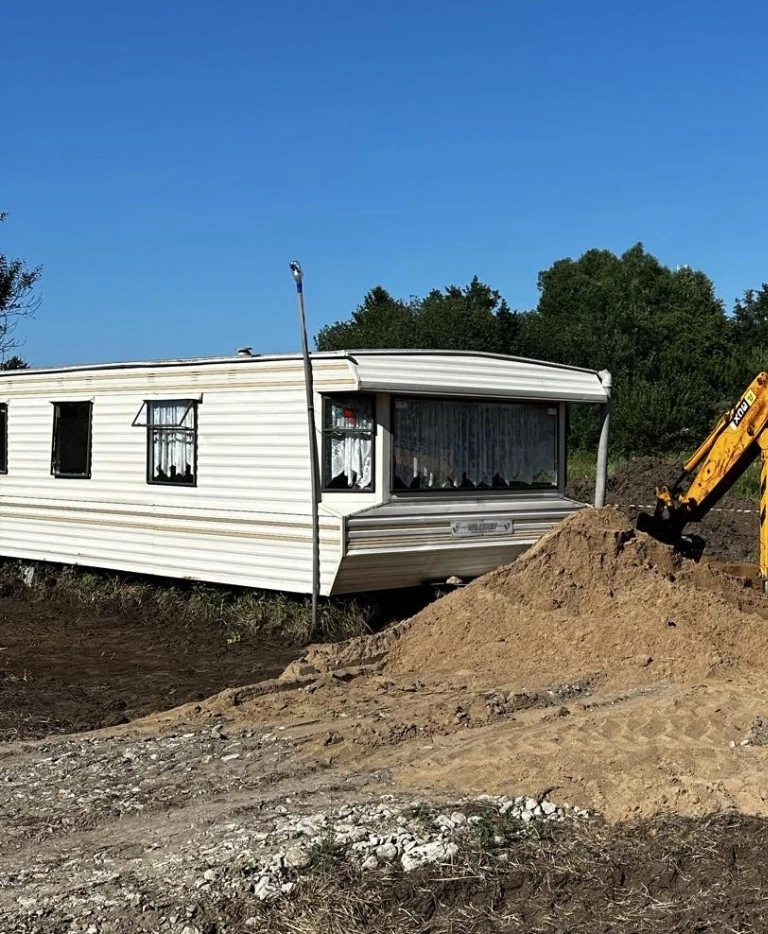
{"x": 664, "y": 875}
{"x": 238, "y": 612}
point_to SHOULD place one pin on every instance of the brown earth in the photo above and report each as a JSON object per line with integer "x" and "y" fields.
{"x": 665, "y": 876}
{"x": 69, "y": 668}
{"x": 600, "y": 664}
{"x": 600, "y": 668}
{"x": 730, "y": 530}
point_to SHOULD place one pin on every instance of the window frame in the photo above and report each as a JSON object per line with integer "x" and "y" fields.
{"x": 192, "y": 405}
{"x": 55, "y": 472}
{"x": 4, "y": 440}
{"x": 326, "y": 432}
{"x": 475, "y": 491}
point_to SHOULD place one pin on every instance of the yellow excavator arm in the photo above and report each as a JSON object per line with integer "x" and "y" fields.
{"x": 734, "y": 443}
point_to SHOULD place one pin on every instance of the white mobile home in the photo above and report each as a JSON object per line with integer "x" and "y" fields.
{"x": 432, "y": 464}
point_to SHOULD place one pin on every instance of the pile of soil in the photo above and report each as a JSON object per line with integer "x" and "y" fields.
{"x": 600, "y": 663}
{"x": 593, "y": 599}
{"x": 730, "y": 530}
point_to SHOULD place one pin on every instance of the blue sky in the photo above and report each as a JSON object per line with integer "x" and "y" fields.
{"x": 164, "y": 161}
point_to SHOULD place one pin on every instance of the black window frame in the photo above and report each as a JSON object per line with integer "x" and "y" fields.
{"x": 192, "y": 405}
{"x": 55, "y": 471}
{"x": 3, "y": 437}
{"x": 326, "y": 432}
{"x": 474, "y": 490}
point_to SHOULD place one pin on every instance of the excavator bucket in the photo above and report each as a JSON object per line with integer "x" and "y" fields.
{"x": 660, "y": 527}
{"x": 668, "y": 531}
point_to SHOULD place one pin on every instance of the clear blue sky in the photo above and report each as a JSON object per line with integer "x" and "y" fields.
{"x": 165, "y": 160}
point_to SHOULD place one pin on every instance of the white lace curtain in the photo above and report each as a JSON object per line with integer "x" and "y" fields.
{"x": 441, "y": 444}
{"x": 173, "y": 451}
{"x": 349, "y": 436}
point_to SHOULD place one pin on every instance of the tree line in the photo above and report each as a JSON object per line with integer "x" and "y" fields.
{"x": 678, "y": 358}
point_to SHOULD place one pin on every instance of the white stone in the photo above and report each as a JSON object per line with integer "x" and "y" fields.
{"x": 370, "y": 862}
{"x": 297, "y": 857}
{"x": 387, "y": 851}
{"x": 428, "y": 853}
{"x": 548, "y": 807}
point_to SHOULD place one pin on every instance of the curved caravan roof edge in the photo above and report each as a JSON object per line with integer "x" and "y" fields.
{"x": 434, "y": 372}
{"x": 482, "y": 375}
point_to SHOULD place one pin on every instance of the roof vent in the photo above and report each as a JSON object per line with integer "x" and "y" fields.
{"x": 244, "y": 352}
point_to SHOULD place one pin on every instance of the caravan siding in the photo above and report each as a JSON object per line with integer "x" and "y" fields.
{"x": 247, "y": 521}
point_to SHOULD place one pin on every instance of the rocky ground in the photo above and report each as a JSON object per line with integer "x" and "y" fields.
{"x": 136, "y": 832}
{"x": 216, "y": 830}
{"x": 573, "y": 744}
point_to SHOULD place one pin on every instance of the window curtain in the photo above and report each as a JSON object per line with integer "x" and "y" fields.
{"x": 350, "y": 437}
{"x": 443, "y": 444}
{"x": 173, "y": 452}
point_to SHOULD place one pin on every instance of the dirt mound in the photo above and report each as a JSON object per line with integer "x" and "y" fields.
{"x": 730, "y": 530}
{"x": 593, "y": 597}
{"x": 600, "y": 663}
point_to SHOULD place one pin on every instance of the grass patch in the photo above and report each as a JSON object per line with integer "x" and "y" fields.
{"x": 239, "y": 613}
{"x": 326, "y": 853}
{"x": 493, "y": 830}
{"x": 748, "y": 484}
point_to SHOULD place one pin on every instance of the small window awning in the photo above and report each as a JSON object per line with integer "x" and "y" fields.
{"x": 177, "y": 413}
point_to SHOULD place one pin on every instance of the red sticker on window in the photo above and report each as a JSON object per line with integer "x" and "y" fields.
{"x": 349, "y": 413}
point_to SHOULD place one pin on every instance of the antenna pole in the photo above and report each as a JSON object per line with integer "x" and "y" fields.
{"x": 313, "y": 457}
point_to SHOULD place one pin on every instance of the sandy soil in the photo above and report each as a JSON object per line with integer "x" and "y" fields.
{"x": 600, "y": 669}
{"x": 730, "y": 530}
{"x": 599, "y": 664}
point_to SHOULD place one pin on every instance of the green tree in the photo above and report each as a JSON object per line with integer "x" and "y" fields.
{"x": 750, "y": 318}
{"x": 663, "y": 334}
{"x": 473, "y": 317}
{"x": 17, "y": 299}
{"x": 380, "y": 321}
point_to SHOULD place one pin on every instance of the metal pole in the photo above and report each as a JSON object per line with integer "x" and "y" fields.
{"x": 314, "y": 471}
{"x": 601, "y": 479}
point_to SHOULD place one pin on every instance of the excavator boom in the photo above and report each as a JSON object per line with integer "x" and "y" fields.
{"x": 734, "y": 443}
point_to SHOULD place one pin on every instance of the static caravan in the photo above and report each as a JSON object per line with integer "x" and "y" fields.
{"x": 432, "y": 464}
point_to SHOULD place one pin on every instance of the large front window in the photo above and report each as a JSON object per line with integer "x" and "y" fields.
{"x": 446, "y": 444}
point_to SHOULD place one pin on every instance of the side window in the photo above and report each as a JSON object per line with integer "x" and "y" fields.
{"x": 3, "y": 437}
{"x": 349, "y": 434}
{"x": 172, "y": 442}
{"x": 71, "y": 449}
